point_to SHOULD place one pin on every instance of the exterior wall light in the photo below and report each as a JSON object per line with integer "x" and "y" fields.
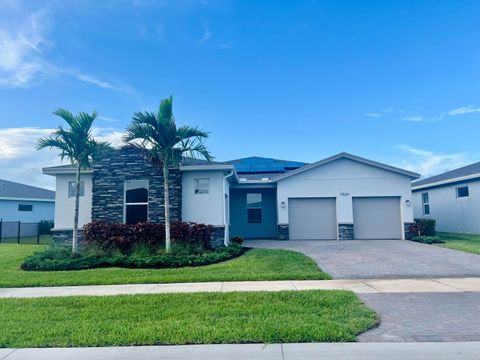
{"x": 408, "y": 202}
{"x": 283, "y": 204}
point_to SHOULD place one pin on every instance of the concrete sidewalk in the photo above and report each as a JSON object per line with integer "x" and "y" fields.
{"x": 378, "y": 286}
{"x": 338, "y": 351}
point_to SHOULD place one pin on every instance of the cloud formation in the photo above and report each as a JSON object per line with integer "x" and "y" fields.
{"x": 20, "y": 161}
{"x": 470, "y": 109}
{"x": 428, "y": 163}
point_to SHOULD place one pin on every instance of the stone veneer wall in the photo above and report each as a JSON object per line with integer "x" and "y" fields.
{"x": 345, "y": 232}
{"x": 64, "y": 237}
{"x": 109, "y": 175}
{"x": 283, "y": 232}
{"x": 217, "y": 237}
{"x": 406, "y": 229}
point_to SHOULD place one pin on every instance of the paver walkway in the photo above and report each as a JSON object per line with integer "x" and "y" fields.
{"x": 367, "y": 259}
{"x": 338, "y": 351}
{"x": 446, "y": 285}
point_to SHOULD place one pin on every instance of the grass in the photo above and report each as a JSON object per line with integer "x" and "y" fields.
{"x": 44, "y": 240}
{"x": 201, "y": 318}
{"x": 463, "y": 242}
{"x": 255, "y": 264}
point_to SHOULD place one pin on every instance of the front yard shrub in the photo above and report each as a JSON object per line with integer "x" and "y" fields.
{"x": 237, "y": 240}
{"x": 45, "y": 227}
{"x": 423, "y": 227}
{"x": 428, "y": 239}
{"x": 126, "y": 237}
{"x": 59, "y": 259}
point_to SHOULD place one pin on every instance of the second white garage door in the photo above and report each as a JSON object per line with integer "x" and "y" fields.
{"x": 376, "y": 218}
{"x": 312, "y": 219}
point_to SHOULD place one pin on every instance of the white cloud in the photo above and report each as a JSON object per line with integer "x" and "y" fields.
{"x": 22, "y": 49}
{"x": 374, "y": 115}
{"x": 103, "y": 84}
{"x": 205, "y": 37}
{"x": 413, "y": 118}
{"x": 470, "y": 109}
{"x": 21, "y": 162}
{"x": 428, "y": 163}
{"x": 226, "y": 45}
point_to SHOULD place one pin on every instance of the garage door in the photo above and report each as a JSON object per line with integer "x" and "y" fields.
{"x": 376, "y": 218}
{"x": 312, "y": 219}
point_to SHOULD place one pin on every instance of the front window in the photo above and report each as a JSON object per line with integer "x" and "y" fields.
{"x": 254, "y": 208}
{"x": 72, "y": 186}
{"x": 202, "y": 186}
{"x": 136, "y": 201}
{"x": 24, "y": 207}
{"x": 425, "y": 204}
{"x": 462, "y": 191}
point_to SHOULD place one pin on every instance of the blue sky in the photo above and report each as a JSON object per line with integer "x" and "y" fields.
{"x": 394, "y": 81}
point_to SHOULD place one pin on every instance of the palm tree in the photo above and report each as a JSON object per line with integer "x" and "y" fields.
{"x": 77, "y": 145}
{"x": 157, "y": 135}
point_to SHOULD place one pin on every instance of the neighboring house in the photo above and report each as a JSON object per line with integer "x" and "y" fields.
{"x": 452, "y": 199}
{"x": 25, "y": 203}
{"x": 341, "y": 197}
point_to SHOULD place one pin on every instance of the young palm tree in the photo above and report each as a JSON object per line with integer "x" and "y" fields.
{"x": 157, "y": 135}
{"x": 77, "y": 145}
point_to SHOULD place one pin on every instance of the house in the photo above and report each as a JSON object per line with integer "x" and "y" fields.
{"x": 451, "y": 198}
{"x": 341, "y": 197}
{"x": 25, "y": 203}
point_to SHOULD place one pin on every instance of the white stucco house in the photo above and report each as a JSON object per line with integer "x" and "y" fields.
{"x": 451, "y": 198}
{"x": 25, "y": 203}
{"x": 343, "y": 197}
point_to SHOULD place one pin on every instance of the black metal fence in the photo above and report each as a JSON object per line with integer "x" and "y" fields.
{"x": 22, "y": 233}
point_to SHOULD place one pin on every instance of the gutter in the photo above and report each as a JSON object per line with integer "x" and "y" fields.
{"x": 226, "y": 226}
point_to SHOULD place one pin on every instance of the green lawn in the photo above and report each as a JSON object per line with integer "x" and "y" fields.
{"x": 44, "y": 240}
{"x": 201, "y": 318}
{"x": 463, "y": 242}
{"x": 255, "y": 264}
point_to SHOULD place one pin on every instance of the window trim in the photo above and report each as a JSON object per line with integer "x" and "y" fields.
{"x": 196, "y": 182}
{"x": 462, "y": 187}
{"x": 425, "y": 203}
{"x": 30, "y": 205}
{"x": 249, "y": 207}
{"x": 125, "y": 204}
{"x": 82, "y": 183}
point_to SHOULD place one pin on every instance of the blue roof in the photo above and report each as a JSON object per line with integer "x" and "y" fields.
{"x": 261, "y": 165}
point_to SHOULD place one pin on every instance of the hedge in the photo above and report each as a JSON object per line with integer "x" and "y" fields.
{"x": 62, "y": 260}
{"x": 423, "y": 227}
{"x": 125, "y": 237}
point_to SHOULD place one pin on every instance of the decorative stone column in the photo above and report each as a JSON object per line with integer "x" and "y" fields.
{"x": 283, "y": 233}
{"x": 406, "y": 230}
{"x": 345, "y": 231}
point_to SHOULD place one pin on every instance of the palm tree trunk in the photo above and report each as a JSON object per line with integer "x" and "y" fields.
{"x": 75, "y": 217}
{"x": 167, "y": 206}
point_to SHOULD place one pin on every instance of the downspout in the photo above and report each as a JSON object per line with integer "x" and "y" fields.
{"x": 225, "y": 225}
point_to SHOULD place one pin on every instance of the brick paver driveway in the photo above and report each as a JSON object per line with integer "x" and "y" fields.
{"x": 424, "y": 317}
{"x": 364, "y": 259}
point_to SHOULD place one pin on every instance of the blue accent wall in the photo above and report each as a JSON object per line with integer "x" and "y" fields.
{"x": 267, "y": 229}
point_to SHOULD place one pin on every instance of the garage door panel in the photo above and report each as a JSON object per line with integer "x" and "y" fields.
{"x": 376, "y": 218}
{"x": 312, "y": 219}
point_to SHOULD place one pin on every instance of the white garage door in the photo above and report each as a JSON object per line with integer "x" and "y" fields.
{"x": 376, "y": 218}
{"x": 312, "y": 219}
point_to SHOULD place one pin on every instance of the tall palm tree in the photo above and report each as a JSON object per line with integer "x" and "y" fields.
{"x": 157, "y": 135}
{"x": 78, "y": 145}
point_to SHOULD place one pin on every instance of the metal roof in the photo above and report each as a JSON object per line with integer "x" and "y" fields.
{"x": 467, "y": 171}
{"x": 10, "y": 189}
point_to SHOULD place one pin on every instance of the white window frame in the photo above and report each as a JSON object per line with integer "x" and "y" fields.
{"x": 427, "y": 203}
{"x": 198, "y": 190}
{"x": 71, "y": 186}
{"x": 462, "y": 187}
{"x": 125, "y": 204}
